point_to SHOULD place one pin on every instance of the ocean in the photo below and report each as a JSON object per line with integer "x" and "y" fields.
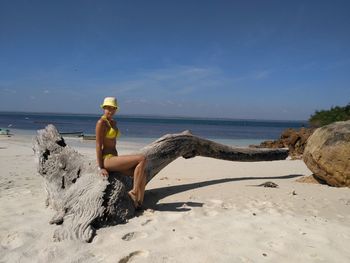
{"x": 146, "y": 129}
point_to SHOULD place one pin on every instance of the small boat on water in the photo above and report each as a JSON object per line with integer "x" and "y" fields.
{"x": 89, "y": 137}
{"x": 4, "y": 131}
{"x": 72, "y": 134}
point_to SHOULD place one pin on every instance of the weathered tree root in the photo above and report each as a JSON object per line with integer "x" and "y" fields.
{"x": 83, "y": 200}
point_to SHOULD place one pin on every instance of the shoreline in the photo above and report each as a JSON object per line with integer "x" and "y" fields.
{"x": 141, "y": 141}
{"x": 192, "y": 204}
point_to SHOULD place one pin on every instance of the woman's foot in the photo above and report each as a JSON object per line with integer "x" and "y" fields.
{"x": 136, "y": 203}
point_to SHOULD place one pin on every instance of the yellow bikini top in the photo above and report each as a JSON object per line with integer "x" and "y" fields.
{"x": 111, "y": 133}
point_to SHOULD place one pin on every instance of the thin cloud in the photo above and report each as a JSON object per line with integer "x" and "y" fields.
{"x": 337, "y": 64}
{"x": 177, "y": 80}
{"x": 7, "y": 90}
{"x": 263, "y": 74}
{"x": 255, "y": 75}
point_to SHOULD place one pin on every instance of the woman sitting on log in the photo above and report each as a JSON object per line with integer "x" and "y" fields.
{"x": 107, "y": 154}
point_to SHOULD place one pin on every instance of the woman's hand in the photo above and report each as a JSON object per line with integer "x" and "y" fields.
{"x": 103, "y": 172}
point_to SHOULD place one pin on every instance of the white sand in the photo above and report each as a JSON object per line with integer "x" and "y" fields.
{"x": 203, "y": 210}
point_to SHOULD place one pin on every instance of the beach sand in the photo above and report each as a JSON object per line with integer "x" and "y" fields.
{"x": 199, "y": 210}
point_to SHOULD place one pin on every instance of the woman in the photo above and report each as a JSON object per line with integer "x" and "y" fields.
{"x": 107, "y": 155}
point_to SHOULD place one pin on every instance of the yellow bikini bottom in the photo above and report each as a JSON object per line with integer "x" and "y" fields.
{"x": 108, "y": 155}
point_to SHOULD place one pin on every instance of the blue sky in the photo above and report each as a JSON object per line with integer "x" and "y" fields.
{"x": 230, "y": 59}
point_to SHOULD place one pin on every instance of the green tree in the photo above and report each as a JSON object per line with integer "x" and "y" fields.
{"x": 324, "y": 117}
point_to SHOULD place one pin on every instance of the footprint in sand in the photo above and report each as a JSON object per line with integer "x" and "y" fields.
{"x": 146, "y": 222}
{"x": 132, "y": 255}
{"x": 219, "y": 203}
{"x": 134, "y": 235}
{"x": 216, "y": 202}
{"x": 210, "y": 213}
{"x": 226, "y": 205}
{"x": 13, "y": 240}
{"x": 193, "y": 238}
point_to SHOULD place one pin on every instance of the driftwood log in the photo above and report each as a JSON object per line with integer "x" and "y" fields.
{"x": 84, "y": 200}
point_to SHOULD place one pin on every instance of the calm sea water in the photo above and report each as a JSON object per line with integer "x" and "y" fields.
{"x": 239, "y": 132}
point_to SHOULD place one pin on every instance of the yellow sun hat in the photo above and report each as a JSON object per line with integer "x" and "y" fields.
{"x": 110, "y": 101}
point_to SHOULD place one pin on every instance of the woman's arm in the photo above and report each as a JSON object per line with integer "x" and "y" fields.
{"x": 100, "y": 131}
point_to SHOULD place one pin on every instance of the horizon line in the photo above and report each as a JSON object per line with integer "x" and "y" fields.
{"x": 157, "y": 116}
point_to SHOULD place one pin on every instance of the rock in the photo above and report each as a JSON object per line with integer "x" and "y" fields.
{"x": 294, "y": 140}
{"x": 269, "y": 184}
{"x": 327, "y": 153}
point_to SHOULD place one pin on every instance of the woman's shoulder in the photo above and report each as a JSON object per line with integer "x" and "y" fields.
{"x": 101, "y": 122}
{"x": 104, "y": 122}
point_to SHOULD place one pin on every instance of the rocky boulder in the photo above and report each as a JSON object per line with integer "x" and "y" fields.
{"x": 294, "y": 140}
{"x": 327, "y": 153}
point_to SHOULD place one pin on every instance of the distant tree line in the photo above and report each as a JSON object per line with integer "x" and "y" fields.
{"x": 324, "y": 117}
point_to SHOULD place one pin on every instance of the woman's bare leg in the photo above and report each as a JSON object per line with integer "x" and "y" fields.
{"x": 126, "y": 164}
{"x": 143, "y": 186}
{"x": 139, "y": 176}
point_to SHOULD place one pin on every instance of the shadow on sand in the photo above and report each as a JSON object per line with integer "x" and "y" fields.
{"x": 153, "y": 196}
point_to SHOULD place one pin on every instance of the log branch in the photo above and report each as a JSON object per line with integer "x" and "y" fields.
{"x": 84, "y": 201}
